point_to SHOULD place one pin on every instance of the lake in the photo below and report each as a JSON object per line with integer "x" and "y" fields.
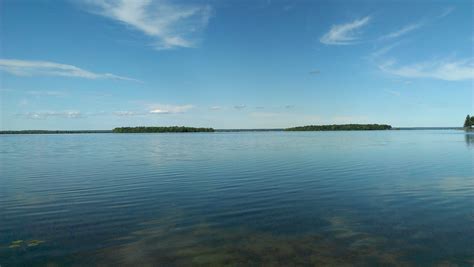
{"x": 248, "y": 199}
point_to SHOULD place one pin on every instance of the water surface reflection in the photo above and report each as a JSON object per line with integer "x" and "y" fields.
{"x": 275, "y": 198}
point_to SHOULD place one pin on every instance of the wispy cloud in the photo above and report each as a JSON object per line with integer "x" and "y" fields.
{"x": 344, "y": 34}
{"x": 393, "y": 92}
{"x": 169, "y": 25}
{"x": 31, "y": 68}
{"x": 128, "y": 113}
{"x": 315, "y": 72}
{"x": 448, "y": 70}
{"x": 384, "y": 50}
{"x": 415, "y": 26}
{"x": 400, "y": 32}
{"x": 46, "y": 93}
{"x": 49, "y": 114}
{"x": 169, "y": 109}
{"x": 446, "y": 12}
{"x": 158, "y": 109}
{"x": 240, "y": 106}
{"x": 215, "y": 108}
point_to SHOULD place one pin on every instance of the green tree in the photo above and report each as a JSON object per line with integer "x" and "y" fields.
{"x": 468, "y": 122}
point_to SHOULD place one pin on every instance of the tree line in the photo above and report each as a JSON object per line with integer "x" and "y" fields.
{"x": 341, "y": 127}
{"x": 55, "y": 131}
{"x": 468, "y": 122}
{"x": 171, "y": 129}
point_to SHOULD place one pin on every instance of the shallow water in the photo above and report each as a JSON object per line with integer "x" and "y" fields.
{"x": 247, "y": 199}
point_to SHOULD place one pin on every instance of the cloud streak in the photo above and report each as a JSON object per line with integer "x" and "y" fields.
{"x": 158, "y": 109}
{"x": 169, "y": 25}
{"x": 448, "y": 70}
{"x": 239, "y": 107}
{"x": 344, "y": 34}
{"x": 404, "y": 30}
{"x": 49, "y": 114}
{"x": 384, "y": 50}
{"x": 32, "y": 68}
{"x": 415, "y": 26}
{"x": 446, "y": 12}
{"x": 169, "y": 109}
{"x": 46, "y": 93}
{"x": 393, "y": 92}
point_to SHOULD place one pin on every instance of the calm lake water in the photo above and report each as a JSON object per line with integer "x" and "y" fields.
{"x": 248, "y": 199}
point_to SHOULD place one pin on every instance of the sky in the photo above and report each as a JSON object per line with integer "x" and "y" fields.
{"x": 102, "y": 64}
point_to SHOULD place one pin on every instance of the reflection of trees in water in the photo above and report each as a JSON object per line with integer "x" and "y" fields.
{"x": 469, "y": 139}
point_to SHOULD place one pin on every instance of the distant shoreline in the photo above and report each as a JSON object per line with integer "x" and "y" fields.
{"x": 216, "y": 130}
{"x": 341, "y": 127}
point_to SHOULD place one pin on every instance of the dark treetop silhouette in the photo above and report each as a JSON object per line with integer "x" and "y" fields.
{"x": 341, "y": 127}
{"x": 468, "y": 122}
{"x": 171, "y": 129}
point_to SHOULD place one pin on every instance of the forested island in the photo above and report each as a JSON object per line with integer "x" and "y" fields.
{"x": 341, "y": 127}
{"x": 171, "y": 129}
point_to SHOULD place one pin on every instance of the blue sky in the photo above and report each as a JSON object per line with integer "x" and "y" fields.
{"x": 234, "y": 64}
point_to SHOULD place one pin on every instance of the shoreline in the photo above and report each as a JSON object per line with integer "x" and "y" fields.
{"x": 6, "y": 132}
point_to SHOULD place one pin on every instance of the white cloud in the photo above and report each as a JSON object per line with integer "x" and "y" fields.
{"x": 169, "y": 24}
{"x": 215, "y": 108}
{"x": 344, "y": 34}
{"x": 448, "y": 70}
{"x": 404, "y": 30}
{"x": 30, "y": 68}
{"x": 48, "y": 114}
{"x": 154, "y": 109}
{"x": 169, "y": 109}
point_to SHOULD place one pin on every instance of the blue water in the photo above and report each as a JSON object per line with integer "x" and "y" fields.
{"x": 245, "y": 199}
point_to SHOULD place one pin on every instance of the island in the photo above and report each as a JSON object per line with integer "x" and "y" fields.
{"x": 341, "y": 127}
{"x": 171, "y": 129}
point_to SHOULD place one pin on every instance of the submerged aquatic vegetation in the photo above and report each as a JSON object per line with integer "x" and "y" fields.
{"x": 209, "y": 245}
{"x": 33, "y": 243}
{"x": 24, "y": 244}
{"x": 16, "y": 244}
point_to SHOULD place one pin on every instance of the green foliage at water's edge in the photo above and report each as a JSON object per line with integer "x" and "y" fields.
{"x": 341, "y": 127}
{"x": 469, "y": 122}
{"x": 171, "y": 129}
